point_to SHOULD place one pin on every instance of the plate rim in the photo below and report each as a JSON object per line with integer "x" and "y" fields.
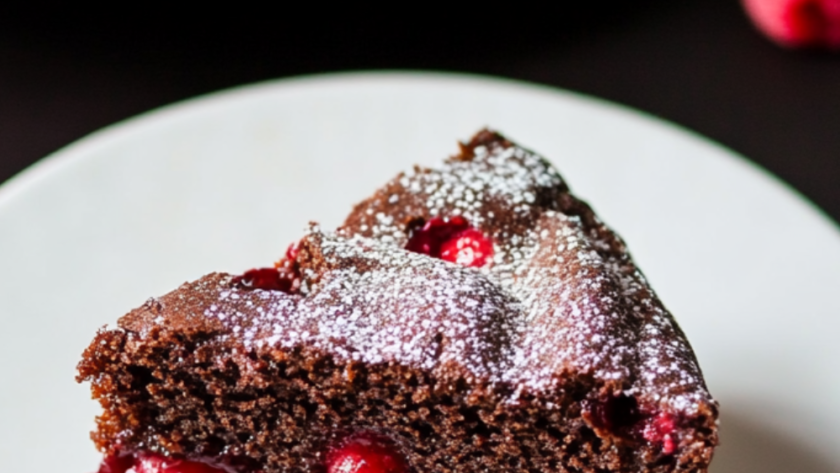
{"x": 81, "y": 148}
{"x": 156, "y": 120}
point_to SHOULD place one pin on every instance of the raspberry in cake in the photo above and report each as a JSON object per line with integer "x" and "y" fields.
{"x": 471, "y": 318}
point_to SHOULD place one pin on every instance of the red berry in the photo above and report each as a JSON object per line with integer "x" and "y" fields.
{"x": 660, "y": 429}
{"x": 292, "y": 251}
{"x": 797, "y": 23}
{"x": 618, "y": 414}
{"x": 151, "y": 463}
{"x": 622, "y": 416}
{"x": 116, "y": 463}
{"x": 366, "y": 453}
{"x": 452, "y": 240}
{"x": 284, "y": 276}
{"x": 669, "y": 446}
{"x": 264, "y": 278}
{"x": 467, "y": 248}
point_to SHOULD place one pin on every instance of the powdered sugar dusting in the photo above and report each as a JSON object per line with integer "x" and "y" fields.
{"x": 561, "y": 294}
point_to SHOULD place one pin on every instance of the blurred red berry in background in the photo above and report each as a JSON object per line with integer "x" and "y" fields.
{"x": 798, "y": 23}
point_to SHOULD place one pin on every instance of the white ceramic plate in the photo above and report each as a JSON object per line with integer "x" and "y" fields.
{"x": 225, "y": 182}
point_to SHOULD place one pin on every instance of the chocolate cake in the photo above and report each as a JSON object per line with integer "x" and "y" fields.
{"x": 471, "y": 318}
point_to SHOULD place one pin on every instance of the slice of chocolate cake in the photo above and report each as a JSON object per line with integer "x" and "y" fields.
{"x": 472, "y": 318}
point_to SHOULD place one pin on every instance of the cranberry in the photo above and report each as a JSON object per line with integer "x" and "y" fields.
{"x": 366, "y": 453}
{"x": 292, "y": 252}
{"x": 150, "y": 463}
{"x": 116, "y": 464}
{"x": 660, "y": 429}
{"x": 622, "y": 416}
{"x": 285, "y": 276}
{"x": 617, "y": 414}
{"x": 452, "y": 240}
{"x": 797, "y": 23}
{"x": 264, "y": 278}
{"x": 153, "y": 463}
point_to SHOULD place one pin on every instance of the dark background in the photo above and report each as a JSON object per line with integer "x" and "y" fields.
{"x": 698, "y": 63}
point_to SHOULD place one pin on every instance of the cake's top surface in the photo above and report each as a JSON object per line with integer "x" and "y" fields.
{"x": 558, "y": 297}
